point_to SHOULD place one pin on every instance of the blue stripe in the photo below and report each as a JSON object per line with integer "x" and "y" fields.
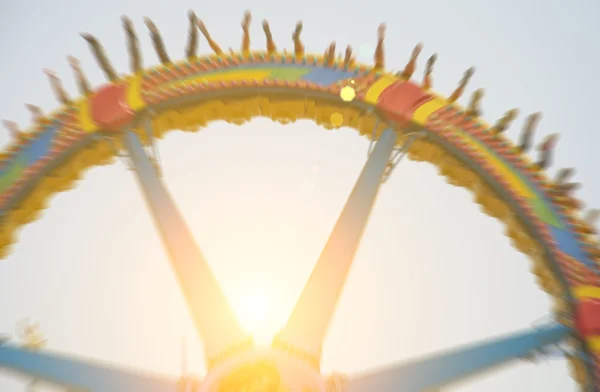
{"x": 570, "y": 245}
{"x": 35, "y": 151}
{"x": 327, "y": 76}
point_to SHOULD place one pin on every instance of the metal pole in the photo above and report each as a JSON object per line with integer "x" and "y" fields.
{"x": 307, "y": 326}
{"x": 78, "y": 374}
{"x": 457, "y": 365}
{"x": 215, "y": 322}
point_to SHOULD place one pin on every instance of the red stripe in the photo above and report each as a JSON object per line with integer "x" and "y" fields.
{"x": 401, "y": 99}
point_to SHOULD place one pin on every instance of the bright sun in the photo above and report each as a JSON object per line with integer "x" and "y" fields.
{"x": 253, "y": 312}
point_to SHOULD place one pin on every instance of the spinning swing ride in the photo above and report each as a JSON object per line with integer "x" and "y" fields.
{"x": 399, "y": 116}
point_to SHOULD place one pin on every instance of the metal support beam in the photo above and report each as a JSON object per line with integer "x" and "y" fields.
{"x": 400, "y": 153}
{"x": 307, "y": 326}
{"x": 80, "y": 375}
{"x": 373, "y": 137}
{"x": 215, "y": 321}
{"x": 446, "y": 368}
{"x": 147, "y": 123}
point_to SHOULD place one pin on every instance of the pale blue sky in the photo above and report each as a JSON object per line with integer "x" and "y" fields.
{"x": 432, "y": 272}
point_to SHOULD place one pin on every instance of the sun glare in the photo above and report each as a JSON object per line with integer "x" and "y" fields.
{"x": 254, "y": 314}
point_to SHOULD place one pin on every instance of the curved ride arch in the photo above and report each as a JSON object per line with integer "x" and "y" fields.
{"x": 542, "y": 217}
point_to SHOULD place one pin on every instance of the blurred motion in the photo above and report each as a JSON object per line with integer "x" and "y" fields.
{"x": 126, "y": 116}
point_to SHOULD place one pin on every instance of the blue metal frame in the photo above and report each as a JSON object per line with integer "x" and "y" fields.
{"x": 446, "y": 368}
{"x": 308, "y": 324}
{"x": 417, "y": 376}
{"x": 215, "y": 321}
{"x": 78, "y": 374}
{"x": 317, "y": 302}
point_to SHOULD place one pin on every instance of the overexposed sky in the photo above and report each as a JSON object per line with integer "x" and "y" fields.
{"x": 433, "y": 272}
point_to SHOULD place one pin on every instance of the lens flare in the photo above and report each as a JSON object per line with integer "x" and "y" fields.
{"x": 253, "y": 312}
{"x": 336, "y": 119}
{"x": 348, "y": 94}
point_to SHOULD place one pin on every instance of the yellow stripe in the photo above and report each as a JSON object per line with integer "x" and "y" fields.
{"x": 226, "y": 76}
{"x": 377, "y": 88}
{"x": 85, "y": 116}
{"x": 424, "y": 111}
{"x": 594, "y": 343}
{"x": 134, "y": 92}
{"x": 587, "y": 292}
{"x": 516, "y": 184}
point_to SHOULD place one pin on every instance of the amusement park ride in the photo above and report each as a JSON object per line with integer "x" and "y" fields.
{"x": 399, "y": 116}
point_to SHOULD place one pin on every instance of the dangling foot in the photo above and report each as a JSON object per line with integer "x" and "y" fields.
{"x": 348, "y": 56}
{"x": 246, "y": 30}
{"x": 267, "y": 30}
{"x": 298, "y": 45}
{"x": 89, "y": 38}
{"x": 271, "y": 48}
{"x": 379, "y": 53}
{"x": 381, "y": 32}
{"x": 127, "y": 25}
{"x": 427, "y": 78}
{"x": 151, "y": 26}
{"x": 416, "y": 51}
{"x": 246, "y": 21}
{"x": 297, "y": 32}
{"x": 410, "y": 67}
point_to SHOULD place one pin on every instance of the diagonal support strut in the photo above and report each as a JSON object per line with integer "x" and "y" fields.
{"x": 456, "y": 365}
{"x": 400, "y": 153}
{"x": 215, "y": 321}
{"x": 79, "y": 374}
{"x": 308, "y": 323}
